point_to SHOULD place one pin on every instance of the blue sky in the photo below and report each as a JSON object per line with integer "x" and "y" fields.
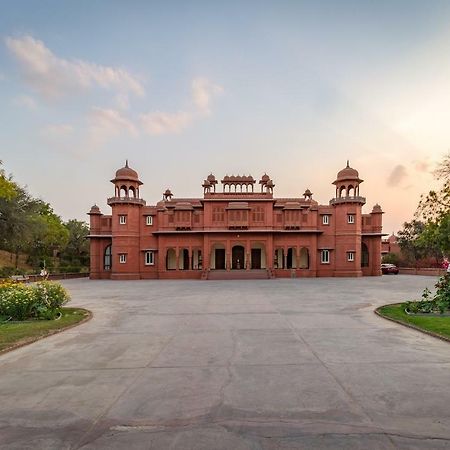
{"x": 185, "y": 88}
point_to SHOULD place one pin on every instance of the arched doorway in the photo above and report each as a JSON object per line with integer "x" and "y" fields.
{"x": 364, "y": 255}
{"x": 217, "y": 258}
{"x": 171, "y": 259}
{"x": 184, "y": 259}
{"x": 304, "y": 258}
{"x": 291, "y": 262}
{"x": 238, "y": 257}
{"x": 258, "y": 256}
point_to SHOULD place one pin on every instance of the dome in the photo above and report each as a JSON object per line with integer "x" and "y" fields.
{"x": 126, "y": 173}
{"x": 95, "y": 210}
{"x": 377, "y": 208}
{"x": 348, "y": 173}
{"x": 307, "y": 193}
{"x": 211, "y": 178}
{"x": 265, "y": 177}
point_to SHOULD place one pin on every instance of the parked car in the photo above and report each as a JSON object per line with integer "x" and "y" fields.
{"x": 389, "y": 268}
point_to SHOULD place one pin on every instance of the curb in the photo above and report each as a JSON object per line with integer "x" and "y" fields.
{"x": 409, "y": 325}
{"x": 27, "y": 341}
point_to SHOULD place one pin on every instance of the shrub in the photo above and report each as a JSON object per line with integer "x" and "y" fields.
{"x": 439, "y": 303}
{"x": 50, "y": 297}
{"x": 17, "y": 300}
{"x": 42, "y": 300}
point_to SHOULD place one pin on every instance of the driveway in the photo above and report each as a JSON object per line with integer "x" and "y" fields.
{"x": 288, "y": 364}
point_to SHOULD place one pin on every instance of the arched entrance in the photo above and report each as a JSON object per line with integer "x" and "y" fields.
{"x": 171, "y": 259}
{"x": 238, "y": 257}
{"x": 364, "y": 255}
{"x": 217, "y": 257}
{"x": 304, "y": 258}
{"x": 258, "y": 256}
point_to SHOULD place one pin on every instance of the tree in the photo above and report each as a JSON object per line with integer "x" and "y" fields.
{"x": 436, "y": 203}
{"x": 408, "y": 239}
{"x": 76, "y": 252}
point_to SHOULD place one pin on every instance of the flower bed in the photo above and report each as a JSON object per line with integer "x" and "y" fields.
{"x": 41, "y": 300}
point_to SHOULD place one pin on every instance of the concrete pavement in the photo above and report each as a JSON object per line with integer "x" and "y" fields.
{"x": 262, "y": 364}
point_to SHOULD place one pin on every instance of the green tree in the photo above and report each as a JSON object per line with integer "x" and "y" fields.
{"x": 409, "y": 241}
{"x": 76, "y": 252}
{"x": 436, "y": 203}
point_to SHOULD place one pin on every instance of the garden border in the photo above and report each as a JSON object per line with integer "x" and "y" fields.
{"x": 30, "y": 340}
{"x": 409, "y": 325}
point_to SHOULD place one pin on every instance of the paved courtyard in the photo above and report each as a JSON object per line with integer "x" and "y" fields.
{"x": 270, "y": 364}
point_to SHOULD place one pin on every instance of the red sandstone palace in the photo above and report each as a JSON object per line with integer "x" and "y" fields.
{"x": 240, "y": 232}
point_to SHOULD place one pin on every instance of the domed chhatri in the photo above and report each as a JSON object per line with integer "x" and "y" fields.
{"x": 232, "y": 228}
{"x": 94, "y": 210}
{"x": 348, "y": 174}
{"x": 126, "y": 173}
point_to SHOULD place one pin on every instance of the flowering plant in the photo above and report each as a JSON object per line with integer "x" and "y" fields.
{"x": 38, "y": 301}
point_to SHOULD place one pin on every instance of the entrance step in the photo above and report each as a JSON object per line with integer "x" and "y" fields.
{"x": 254, "y": 274}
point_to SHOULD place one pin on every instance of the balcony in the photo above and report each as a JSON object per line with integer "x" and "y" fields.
{"x": 349, "y": 199}
{"x": 125, "y": 200}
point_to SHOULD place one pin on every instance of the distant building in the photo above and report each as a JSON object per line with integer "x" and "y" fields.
{"x": 238, "y": 231}
{"x": 390, "y": 245}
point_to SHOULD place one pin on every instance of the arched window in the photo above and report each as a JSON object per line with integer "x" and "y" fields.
{"x": 107, "y": 258}
{"x": 123, "y": 191}
{"x": 132, "y": 192}
{"x": 342, "y": 191}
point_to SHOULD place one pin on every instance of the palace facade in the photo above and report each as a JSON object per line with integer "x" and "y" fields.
{"x": 237, "y": 231}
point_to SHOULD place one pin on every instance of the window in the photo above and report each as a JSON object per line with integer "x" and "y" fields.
{"x": 149, "y": 220}
{"x": 107, "y": 258}
{"x": 122, "y": 220}
{"x": 326, "y": 219}
{"x": 258, "y": 214}
{"x": 325, "y": 256}
{"x": 149, "y": 258}
{"x": 351, "y": 218}
{"x": 122, "y": 258}
{"x": 350, "y": 256}
{"x": 218, "y": 214}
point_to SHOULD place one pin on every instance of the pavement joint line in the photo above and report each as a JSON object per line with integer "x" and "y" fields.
{"x": 335, "y": 378}
{"x": 139, "y": 373}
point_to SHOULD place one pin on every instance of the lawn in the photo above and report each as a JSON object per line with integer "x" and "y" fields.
{"x": 13, "y": 334}
{"x": 433, "y": 324}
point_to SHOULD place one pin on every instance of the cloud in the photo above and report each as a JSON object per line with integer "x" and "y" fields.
{"x": 398, "y": 174}
{"x": 53, "y": 77}
{"x": 165, "y": 123}
{"x": 203, "y": 92}
{"x": 106, "y": 124}
{"x": 57, "y": 131}
{"x": 422, "y": 166}
{"x": 25, "y": 101}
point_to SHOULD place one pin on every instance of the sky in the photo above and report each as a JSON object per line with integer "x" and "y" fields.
{"x": 182, "y": 89}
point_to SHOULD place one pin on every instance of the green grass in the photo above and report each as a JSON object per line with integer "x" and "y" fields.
{"x": 13, "y": 334}
{"x": 434, "y": 324}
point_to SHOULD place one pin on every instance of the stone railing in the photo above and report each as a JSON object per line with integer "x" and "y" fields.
{"x": 114, "y": 200}
{"x": 349, "y": 199}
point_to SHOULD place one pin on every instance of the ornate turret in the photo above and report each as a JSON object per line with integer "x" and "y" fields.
{"x": 126, "y": 186}
{"x": 167, "y": 195}
{"x": 347, "y": 186}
